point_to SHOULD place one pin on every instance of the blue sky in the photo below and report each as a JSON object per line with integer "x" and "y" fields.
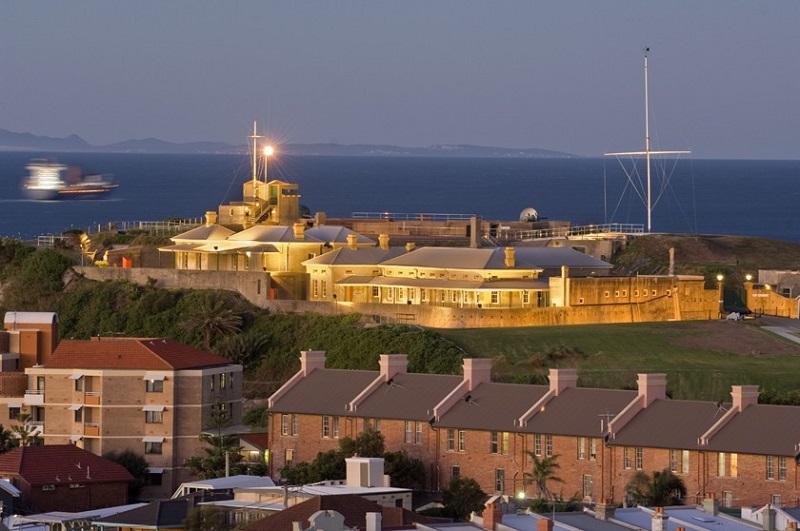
{"x": 563, "y": 75}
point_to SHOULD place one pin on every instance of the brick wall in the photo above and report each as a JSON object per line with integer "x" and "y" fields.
{"x": 76, "y": 496}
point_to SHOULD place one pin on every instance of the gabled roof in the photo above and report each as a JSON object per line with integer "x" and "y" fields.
{"x": 203, "y": 233}
{"x": 283, "y": 234}
{"x": 580, "y": 412}
{"x": 669, "y": 424}
{"x": 167, "y": 514}
{"x": 492, "y": 407}
{"x": 550, "y": 257}
{"x": 336, "y": 234}
{"x": 345, "y": 256}
{"x": 60, "y": 463}
{"x": 353, "y": 508}
{"x": 760, "y": 429}
{"x": 408, "y": 396}
{"x": 458, "y": 258}
{"x": 131, "y": 353}
{"x": 324, "y": 392}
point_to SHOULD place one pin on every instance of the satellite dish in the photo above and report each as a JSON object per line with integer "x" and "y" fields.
{"x": 529, "y": 214}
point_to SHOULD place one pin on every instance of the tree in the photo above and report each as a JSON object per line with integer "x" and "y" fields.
{"x": 368, "y": 443}
{"x": 244, "y": 349}
{"x": 27, "y": 432}
{"x": 463, "y": 496}
{"x": 134, "y": 463}
{"x": 664, "y": 488}
{"x": 403, "y": 471}
{"x": 543, "y": 469}
{"x": 214, "y": 317}
{"x": 7, "y": 440}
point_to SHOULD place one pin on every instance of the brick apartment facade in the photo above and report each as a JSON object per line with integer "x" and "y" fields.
{"x": 153, "y": 396}
{"x": 743, "y": 453}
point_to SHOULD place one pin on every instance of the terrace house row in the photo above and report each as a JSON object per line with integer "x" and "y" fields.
{"x": 742, "y": 452}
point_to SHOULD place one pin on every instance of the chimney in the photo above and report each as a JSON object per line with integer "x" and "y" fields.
{"x": 319, "y": 219}
{"x": 410, "y": 246}
{"x": 744, "y": 396}
{"x": 311, "y": 360}
{"x": 659, "y": 520}
{"x": 474, "y": 232}
{"x": 299, "y": 230}
{"x": 544, "y": 524}
{"x": 492, "y": 515}
{"x": 562, "y": 379}
{"x": 297, "y": 526}
{"x": 604, "y": 510}
{"x": 509, "y": 256}
{"x": 352, "y": 241}
{"x": 791, "y": 526}
{"x": 383, "y": 241}
{"x": 392, "y": 364}
{"x": 477, "y": 371}
{"x": 711, "y": 504}
{"x": 769, "y": 518}
{"x": 672, "y": 261}
{"x": 211, "y": 218}
{"x": 652, "y": 387}
{"x": 373, "y": 521}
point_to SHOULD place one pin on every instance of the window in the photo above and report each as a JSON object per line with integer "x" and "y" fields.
{"x": 462, "y": 440}
{"x": 626, "y": 457}
{"x": 587, "y": 486}
{"x": 336, "y": 427}
{"x": 537, "y": 445}
{"x": 721, "y": 464}
{"x": 673, "y": 461}
{"x": 79, "y": 383}
{"x": 685, "y": 462}
{"x": 498, "y": 442}
{"x": 781, "y": 469}
{"x": 592, "y": 448}
{"x": 154, "y": 478}
{"x": 581, "y": 447}
{"x": 495, "y": 297}
{"x": 372, "y": 424}
{"x": 548, "y": 445}
{"x": 418, "y": 438}
{"x": 324, "y": 289}
{"x": 79, "y": 415}
{"x": 376, "y": 292}
{"x": 152, "y": 417}
{"x": 290, "y": 424}
{"x": 295, "y": 425}
{"x": 154, "y": 386}
{"x": 451, "y": 440}
{"x": 213, "y": 380}
{"x": 770, "y": 467}
{"x": 455, "y": 471}
{"x": 639, "y": 458}
{"x": 152, "y": 447}
{"x": 526, "y": 297}
{"x": 223, "y": 381}
{"x": 734, "y": 465}
{"x": 315, "y": 288}
{"x": 775, "y": 500}
{"x": 326, "y": 427}
{"x": 13, "y": 412}
{"x": 423, "y": 295}
{"x": 411, "y": 294}
{"x": 288, "y": 455}
{"x": 499, "y": 480}
{"x": 409, "y": 432}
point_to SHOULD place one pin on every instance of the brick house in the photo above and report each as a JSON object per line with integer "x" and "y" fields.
{"x": 64, "y": 478}
{"x": 742, "y": 453}
{"x": 153, "y": 396}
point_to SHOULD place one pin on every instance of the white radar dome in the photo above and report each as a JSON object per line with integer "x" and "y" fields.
{"x": 529, "y": 214}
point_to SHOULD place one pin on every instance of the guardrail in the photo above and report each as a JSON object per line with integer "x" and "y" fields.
{"x": 158, "y": 228}
{"x": 579, "y": 231}
{"x": 411, "y": 216}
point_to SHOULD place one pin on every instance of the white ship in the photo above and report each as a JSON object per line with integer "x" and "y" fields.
{"x": 48, "y": 180}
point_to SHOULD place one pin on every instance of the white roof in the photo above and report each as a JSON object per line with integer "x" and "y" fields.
{"x": 231, "y": 482}
{"x": 13, "y": 318}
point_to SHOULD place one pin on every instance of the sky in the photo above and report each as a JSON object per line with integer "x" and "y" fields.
{"x": 564, "y": 75}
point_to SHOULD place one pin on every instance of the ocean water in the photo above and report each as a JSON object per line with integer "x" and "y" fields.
{"x": 745, "y": 197}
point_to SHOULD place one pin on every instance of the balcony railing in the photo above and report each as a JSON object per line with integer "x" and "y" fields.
{"x": 34, "y": 397}
{"x": 91, "y": 429}
{"x": 91, "y": 398}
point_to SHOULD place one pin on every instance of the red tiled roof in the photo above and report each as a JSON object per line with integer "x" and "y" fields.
{"x": 130, "y": 353}
{"x": 60, "y": 463}
{"x": 260, "y": 440}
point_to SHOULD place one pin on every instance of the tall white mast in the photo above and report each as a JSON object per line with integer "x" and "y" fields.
{"x": 255, "y": 138}
{"x": 647, "y": 150}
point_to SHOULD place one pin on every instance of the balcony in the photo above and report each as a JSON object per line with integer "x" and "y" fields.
{"x": 91, "y": 430}
{"x": 91, "y": 398}
{"x": 34, "y": 397}
{"x": 36, "y": 427}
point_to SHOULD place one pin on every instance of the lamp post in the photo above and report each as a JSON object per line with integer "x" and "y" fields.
{"x": 268, "y": 152}
{"x": 720, "y": 284}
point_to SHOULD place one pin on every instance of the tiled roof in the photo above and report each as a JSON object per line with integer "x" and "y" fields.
{"x": 130, "y": 353}
{"x": 549, "y": 257}
{"x": 409, "y": 396}
{"x": 353, "y": 508}
{"x": 324, "y": 392}
{"x": 492, "y": 407}
{"x": 60, "y": 463}
{"x": 258, "y": 440}
{"x": 167, "y": 514}
{"x": 760, "y": 429}
{"x": 204, "y": 233}
{"x": 669, "y": 424}
{"x": 457, "y": 258}
{"x": 580, "y": 412}
{"x": 345, "y": 256}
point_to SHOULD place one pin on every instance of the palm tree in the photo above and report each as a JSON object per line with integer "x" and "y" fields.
{"x": 543, "y": 470}
{"x": 26, "y": 430}
{"x": 214, "y": 317}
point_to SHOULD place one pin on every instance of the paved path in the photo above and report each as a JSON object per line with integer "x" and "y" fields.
{"x": 782, "y": 326}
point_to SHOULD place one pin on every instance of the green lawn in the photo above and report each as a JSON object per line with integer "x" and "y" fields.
{"x": 701, "y": 359}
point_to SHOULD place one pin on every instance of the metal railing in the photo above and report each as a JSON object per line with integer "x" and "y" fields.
{"x": 157, "y": 228}
{"x": 578, "y": 231}
{"x": 411, "y": 216}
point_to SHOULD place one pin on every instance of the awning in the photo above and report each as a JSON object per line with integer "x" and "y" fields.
{"x": 75, "y": 407}
{"x": 154, "y": 377}
{"x": 152, "y": 439}
{"x": 75, "y": 438}
{"x": 155, "y": 470}
{"x": 15, "y": 404}
{"x": 153, "y": 408}
{"x": 75, "y": 376}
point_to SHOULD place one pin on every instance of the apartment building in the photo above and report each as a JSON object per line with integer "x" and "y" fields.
{"x": 742, "y": 452}
{"x": 153, "y": 396}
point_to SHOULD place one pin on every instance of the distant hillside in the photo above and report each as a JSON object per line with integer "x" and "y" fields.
{"x": 10, "y": 141}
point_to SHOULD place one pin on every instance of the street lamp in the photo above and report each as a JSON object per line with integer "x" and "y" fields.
{"x": 268, "y": 152}
{"x": 720, "y": 279}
